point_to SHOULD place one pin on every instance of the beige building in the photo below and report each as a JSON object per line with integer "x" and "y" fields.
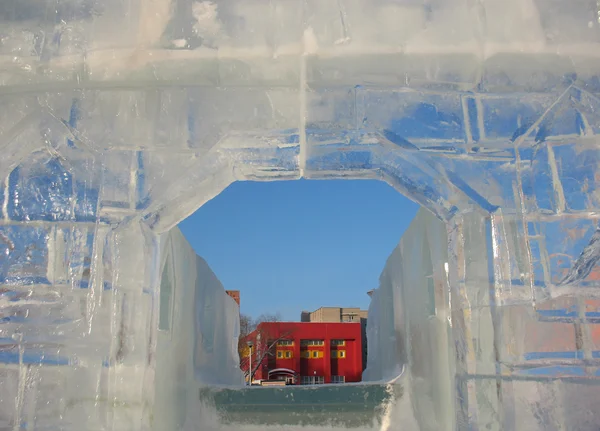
{"x": 334, "y": 314}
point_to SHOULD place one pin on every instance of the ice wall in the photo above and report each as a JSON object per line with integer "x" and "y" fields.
{"x": 197, "y": 337}
{"x": 409, "y": 324}
{"x": 120, "y": 118}
{"x": 216, "y": 357}
{"x": 162, "y": 347}
{"x": 436, "y": 315}
{"x": 386, "y": 336}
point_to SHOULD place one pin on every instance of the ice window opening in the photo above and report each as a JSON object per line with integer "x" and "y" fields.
{"x": 284, "y": 345}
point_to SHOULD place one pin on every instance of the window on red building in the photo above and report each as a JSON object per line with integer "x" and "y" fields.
{"x": 313, "y": 380}
{"x": 312, "y": 342}
{"x": 287, "y": 354}
{"x": 338, "y": 379}
{"x": 338, "y": 354}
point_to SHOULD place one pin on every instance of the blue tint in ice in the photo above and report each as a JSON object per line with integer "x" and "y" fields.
{"x": 120, "y": 118}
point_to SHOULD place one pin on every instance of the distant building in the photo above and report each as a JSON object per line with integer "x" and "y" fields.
{"x": 235, "y": 294}
{"x": 334, "y": 315}
{"x": 307, "y": 353}
{"x": 341, "y": 315}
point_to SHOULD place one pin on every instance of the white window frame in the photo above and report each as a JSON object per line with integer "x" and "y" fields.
{"x": 312, "y": 380}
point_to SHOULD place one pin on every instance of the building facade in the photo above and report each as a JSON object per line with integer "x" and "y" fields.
{"x": 334, "y": 315}
{"x": 307, "y": 353}
{"x": 341, "y": 315}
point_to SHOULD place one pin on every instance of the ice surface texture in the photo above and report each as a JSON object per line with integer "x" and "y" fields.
{"x": 411, "y": 332}
{"x": 197, "y": 341}
{"x": 120, "y": 118}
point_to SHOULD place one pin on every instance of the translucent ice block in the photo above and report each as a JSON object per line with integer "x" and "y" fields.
{"x": 120, "y": 118}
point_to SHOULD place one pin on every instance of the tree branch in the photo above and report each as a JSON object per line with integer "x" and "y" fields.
{"x": 266, "y": 352}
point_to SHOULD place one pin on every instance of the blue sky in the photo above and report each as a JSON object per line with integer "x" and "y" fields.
{"x": 290, "y": 246}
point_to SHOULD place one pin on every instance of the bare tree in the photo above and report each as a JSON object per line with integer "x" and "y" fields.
{"x": 267, "y": 317}
{"x": 266, "y": 349}
{"x": 247, "y": 327}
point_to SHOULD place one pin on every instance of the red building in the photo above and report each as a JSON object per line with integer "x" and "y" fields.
{"x": 307, "y": 353}
{"x": 235, "y": 294}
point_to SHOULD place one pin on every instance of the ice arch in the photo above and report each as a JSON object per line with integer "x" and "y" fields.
{"x": 118, "y": 119}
